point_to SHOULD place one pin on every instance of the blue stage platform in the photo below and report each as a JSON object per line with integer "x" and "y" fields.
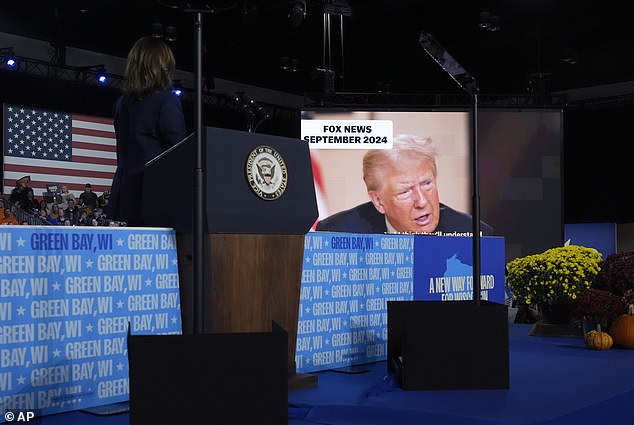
{"x": 554, "y": 381}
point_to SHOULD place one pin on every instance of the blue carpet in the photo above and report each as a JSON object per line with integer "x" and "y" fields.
{"x": 554, "y": 381}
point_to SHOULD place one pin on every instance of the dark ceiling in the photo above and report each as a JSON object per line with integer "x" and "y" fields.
{"x": 379, "y": 46}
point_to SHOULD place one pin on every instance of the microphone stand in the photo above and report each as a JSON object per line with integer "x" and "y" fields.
{"x": 470, "y": 86}
{"x": 199, "y": 186}
{"x": 199, "y": 230}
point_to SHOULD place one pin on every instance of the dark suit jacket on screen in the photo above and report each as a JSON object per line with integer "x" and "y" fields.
{"x": 365, "y": 218}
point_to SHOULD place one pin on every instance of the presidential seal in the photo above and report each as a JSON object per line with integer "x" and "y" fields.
{"x": 266, "y": 173}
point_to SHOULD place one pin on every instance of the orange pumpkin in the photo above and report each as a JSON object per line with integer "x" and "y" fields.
{"x": 598, "y": 340}
{"x": 622, "y": 329}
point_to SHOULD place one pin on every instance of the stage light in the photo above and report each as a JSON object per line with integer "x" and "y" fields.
{"x": 489, "y": 22}
{"x": 8, "y": 56}
{"x": 485, "y": 20}
{"x": 176, "y": 88}
{"x": 297, "y": 13}
{"x": 495, "y": 24}
{"x": 285, "y": 63}
{"x": 157, "y": 30}
{"x": 170, "y": 34}
{"x": 100, "y": 74}
{"x": 570, "y": 56}
{"x": 383, "y": 88}
{"x": 337, "y": 7}
{"x": 92, "y": 74}
{"x": 166, "y": 32}
{"x": 215, "y": 6}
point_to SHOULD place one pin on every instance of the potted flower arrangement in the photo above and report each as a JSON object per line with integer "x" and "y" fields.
{"x": 597, "y": 307}
{"x": 617, "y": 273}
{"x": 553, "y": 278}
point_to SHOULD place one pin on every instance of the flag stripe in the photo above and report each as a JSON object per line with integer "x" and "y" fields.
{"x": 96, "y": 140}
{"x": 104, "y": 134}
{"x": 93, "y": 146}
{"x": 92, "y": 120}
{"x": 94, "y": 153}
{"x": 95, "y": 160}
{"x": 54, "y": 177}
{"x": 61, "y": 165}
{"x": 55, "y": 171}
{"x": 58, "y": 148}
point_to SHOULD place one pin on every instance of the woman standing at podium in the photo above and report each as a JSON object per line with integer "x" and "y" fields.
{"x": 148, "y": 119}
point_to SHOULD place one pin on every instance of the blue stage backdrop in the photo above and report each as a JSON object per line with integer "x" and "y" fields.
{"x": 349, "y": 277}
{"x": 600, "y": 236}
{"x": 67, "y": 298}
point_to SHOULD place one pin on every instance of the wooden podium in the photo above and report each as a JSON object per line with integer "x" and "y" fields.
{"x": 254, "y": 242}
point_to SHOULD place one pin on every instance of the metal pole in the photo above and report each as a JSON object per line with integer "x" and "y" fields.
{"x": 475, "y": 201}
{"x": 199, "y": 187}
{"x": 469, "y": 85}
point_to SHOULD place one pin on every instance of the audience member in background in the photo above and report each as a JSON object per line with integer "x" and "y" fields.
{"x": 56, "y": 200}
{"x": 104, "y": 199}
{"x": 85, "y": 218}
{"x": 72, "y": 212}
{"x": 16, "y": 194}
{"x": 88, "y": 198}
{"x": 43, "y": 216}
{"x": 30, "y": 205}
{"x": 62, "y": 216}
{"x": 59, "y": 200}
{"x": 43, "y": 206}
{"x": 19, "y": 192}
{"x": 53, "y": 217}
{"x": 148, "y": 119}
{"x": 402, "y": 186}
{"x": 66, "y": 195}
{"x": 99, "y": 217}
{"x": 8, "y": 217}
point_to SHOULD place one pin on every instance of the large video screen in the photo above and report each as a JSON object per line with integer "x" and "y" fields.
{"x": 338, "y": 146}
{"x": 520, "y": 187}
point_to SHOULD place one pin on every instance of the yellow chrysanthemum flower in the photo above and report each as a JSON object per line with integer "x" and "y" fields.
{"x": 556, "y": 275}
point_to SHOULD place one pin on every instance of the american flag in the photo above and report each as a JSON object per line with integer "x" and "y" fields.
{"x": 57, "y": 148}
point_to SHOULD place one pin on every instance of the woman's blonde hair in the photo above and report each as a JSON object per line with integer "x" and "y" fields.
{"x": 150, "y": 68}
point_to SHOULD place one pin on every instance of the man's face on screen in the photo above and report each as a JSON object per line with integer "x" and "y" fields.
{"x": 408, "y": 196}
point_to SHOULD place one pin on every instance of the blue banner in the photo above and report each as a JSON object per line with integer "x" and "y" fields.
{"x": 346, "y": 283}
{"x": 67, "y": 298}
{"x": 443, "y": 269}
{"x": 349, "y": 277}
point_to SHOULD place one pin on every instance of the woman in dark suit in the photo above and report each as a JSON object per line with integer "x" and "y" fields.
{"x": 148, "y": 119}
